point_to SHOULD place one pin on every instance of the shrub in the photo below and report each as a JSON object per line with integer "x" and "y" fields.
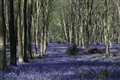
{"x": 72, "y": 50}
{"x": 103, "y": 74}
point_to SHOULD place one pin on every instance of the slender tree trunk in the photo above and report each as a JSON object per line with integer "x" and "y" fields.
{"x": 3, "y": 62}
{"x": 29, "y": 28}
{"x": 106, "y": 30}
{"x": 25, "y": 33}
{"x": 20, "y": 32}
{"x": 117, "y": 2}
{"x": 13, "y": 36}
{"x": 1, "y": 51}
{"x": 4, "y": 39}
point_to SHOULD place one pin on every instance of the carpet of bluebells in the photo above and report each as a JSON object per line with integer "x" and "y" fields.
{"x": 59, "y": 66}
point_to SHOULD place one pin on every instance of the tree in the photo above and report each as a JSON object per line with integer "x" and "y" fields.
{"x": 107, "y": 29}
{"x": 28, "y": 10}
{"x": 12, "y": 34}
{"x": 3, "y": 62}
{"x": 20, "y": 30}
{"x": 46, "y": 10}
{"x": 25, "y": 57}
{"x": 29, "y": 22}
{"x": 117, "y": 3}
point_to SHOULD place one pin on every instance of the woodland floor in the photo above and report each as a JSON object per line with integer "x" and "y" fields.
{"x": 59, "y": 66}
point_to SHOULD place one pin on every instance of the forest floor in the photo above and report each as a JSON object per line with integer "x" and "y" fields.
{"x": 60, "y": 66}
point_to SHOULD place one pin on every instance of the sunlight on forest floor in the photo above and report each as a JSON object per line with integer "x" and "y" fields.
{"x": 60, "y": 66}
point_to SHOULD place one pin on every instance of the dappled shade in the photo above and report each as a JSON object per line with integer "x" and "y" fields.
{"x": 59, "y": 39}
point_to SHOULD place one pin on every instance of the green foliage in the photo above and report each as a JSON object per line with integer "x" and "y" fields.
{"x": 73, "y": 50}
{"x": 103, "y": 74}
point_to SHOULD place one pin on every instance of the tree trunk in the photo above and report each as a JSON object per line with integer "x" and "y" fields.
{"x": 13, "y": 36}
{"x": 107, "y": 29}
{"x": 20, "y": 32}
{"x": 29, "y": 28}
{"x": 3, "y": 62}
{"x": 25, "y": 33}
